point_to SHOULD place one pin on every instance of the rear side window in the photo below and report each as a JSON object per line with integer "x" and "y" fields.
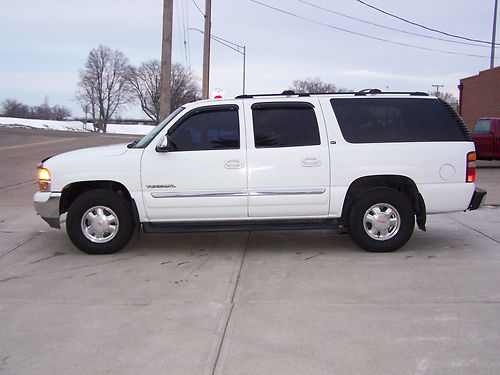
{"x": 379, "y": 120}
{"x": 284, "y": 125}
{"x": 482, "y": 127}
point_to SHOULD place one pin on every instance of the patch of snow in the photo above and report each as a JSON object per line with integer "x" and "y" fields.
{"x": 76, "y": 126}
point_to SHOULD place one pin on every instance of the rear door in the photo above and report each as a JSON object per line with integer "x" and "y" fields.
{"x": 288, "y": 159}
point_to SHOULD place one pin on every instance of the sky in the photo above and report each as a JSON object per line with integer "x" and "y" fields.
{"x": 44, "y": 44}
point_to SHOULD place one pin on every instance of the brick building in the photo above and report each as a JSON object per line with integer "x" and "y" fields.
{"x": 480, "y": 96}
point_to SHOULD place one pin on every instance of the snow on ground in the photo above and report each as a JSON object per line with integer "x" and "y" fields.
{"x": 77, "y": 126}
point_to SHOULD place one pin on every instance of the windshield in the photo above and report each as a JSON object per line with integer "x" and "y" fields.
{"x": 153, "y": 133}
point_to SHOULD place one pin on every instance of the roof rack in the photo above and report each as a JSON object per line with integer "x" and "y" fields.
{"x": 284, "y": 93}
{"x": 378, "y": 91}
{"x": 356, "y": 93}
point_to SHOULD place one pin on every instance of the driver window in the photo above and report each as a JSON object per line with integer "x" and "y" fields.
{"x": 211, "y": 128}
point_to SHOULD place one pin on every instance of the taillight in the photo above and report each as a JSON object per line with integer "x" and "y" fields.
{"x": 471, "y": 167}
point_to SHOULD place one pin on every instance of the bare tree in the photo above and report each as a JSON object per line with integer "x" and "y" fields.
{"x": 145, "y": 83}
{"x": 448, "y": 97}
{"x": 103, "y": 85}
{"x": 14, "y": 108}
{"x": 185, "y": 86}
{"x": 60, "y": 113}
{"x": 314, "y": 85}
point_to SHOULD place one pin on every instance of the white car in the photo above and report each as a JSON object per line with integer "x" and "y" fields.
{"x": 369, "y": 161}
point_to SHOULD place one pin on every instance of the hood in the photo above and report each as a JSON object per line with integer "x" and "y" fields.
{"x": 91, "y": 153}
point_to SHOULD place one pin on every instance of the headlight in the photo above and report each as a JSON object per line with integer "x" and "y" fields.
{"x": 44, "y": 179}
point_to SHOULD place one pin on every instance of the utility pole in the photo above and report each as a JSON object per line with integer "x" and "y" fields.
{"x": 493, "y": 36}
{"x": 244, "y": 66}
{"x": 206, "y": 49}
{"x": 437, "y": 88}
{"x": 166, "y": 59}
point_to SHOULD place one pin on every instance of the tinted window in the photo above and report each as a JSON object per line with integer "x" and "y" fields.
{"x": 207, "y": 129}
{"x": 372, "y": 120}
{"x": 284, "y": 125}
{"x": 482, "y": 127}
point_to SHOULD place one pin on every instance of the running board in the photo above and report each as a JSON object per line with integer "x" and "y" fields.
{"x": 239, "y": 226}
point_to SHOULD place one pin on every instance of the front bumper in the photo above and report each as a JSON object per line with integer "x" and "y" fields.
{"x": 478, "y": 198}
{"x": 47, "y": 206}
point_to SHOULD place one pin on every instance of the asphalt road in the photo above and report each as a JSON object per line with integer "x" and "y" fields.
{"x": 242, "y": 303}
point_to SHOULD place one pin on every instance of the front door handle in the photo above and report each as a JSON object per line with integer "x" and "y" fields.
{"x": 233, "y": 164}
{"x": 311, "y": 162}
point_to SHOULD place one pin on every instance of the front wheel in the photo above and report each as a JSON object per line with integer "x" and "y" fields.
{"x": 381, "y": 220}
{"x": 99, "y": 222}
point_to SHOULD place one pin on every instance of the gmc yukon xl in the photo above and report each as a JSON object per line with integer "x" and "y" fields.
{"x": 372, "y": 163}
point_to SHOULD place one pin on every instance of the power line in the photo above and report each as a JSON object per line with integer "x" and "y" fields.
{"x": 197, "y": 7}
{"x": 424, "y": 27}
{"x": 235, "y": 47}
{"x": 390, "y": 28}
{"x": 364, "y": 35}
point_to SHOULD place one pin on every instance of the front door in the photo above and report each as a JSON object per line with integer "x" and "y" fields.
{"x": 203, "y": 176}
{"x": 288, "y": 159}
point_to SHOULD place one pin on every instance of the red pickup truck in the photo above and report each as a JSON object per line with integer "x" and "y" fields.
{"x": 486, "y": 136}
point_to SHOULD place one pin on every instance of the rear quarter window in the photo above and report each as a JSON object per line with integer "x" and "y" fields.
{"x": 383, "y": 120}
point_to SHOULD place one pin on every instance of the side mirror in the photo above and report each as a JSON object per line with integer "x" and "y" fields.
{"x": 163, "y": 145}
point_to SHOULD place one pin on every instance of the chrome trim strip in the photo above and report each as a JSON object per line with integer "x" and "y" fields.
{"x": 291, "y": 191}
{"x": 237, "y": 193}
{"x": 199, "y": 194}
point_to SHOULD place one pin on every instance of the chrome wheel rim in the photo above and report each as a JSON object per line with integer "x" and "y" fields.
{"x": 381, "y": 222}
{"x": 100, "y": 224}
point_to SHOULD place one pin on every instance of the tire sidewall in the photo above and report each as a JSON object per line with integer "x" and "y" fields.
{"x": 381, "y": 196}
{"x": 105, "y": 198}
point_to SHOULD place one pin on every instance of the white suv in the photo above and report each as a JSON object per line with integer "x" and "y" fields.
{"x": 369, "y": 161}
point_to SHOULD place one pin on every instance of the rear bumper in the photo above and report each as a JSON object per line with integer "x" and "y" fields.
{"x": 478, "y": 198}
{"x": 47, "y": 206}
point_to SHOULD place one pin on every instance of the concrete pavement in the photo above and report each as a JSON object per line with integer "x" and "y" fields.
{"x": 244, "y": 303}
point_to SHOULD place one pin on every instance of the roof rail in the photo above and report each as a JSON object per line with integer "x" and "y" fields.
{"x": 284, "y": 93}
{"x": 378, "y": 91}
{"x": 356, "y": 93}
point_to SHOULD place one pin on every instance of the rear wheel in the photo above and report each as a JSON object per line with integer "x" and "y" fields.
{"x": 100, "y": 222}
{"x": 381, "y": 220}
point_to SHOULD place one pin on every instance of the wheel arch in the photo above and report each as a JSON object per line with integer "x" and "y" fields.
{"x": 73, "y": 190}
{"x": 399, "y": 183}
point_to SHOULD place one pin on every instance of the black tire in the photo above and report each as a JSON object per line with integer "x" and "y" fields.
{"x": 110, "y": 211}
{"x": 381, "y": 220}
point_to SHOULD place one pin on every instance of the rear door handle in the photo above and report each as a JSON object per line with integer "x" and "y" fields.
{"x": 233, "y": 164}
{"x": 311, "y": 162}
